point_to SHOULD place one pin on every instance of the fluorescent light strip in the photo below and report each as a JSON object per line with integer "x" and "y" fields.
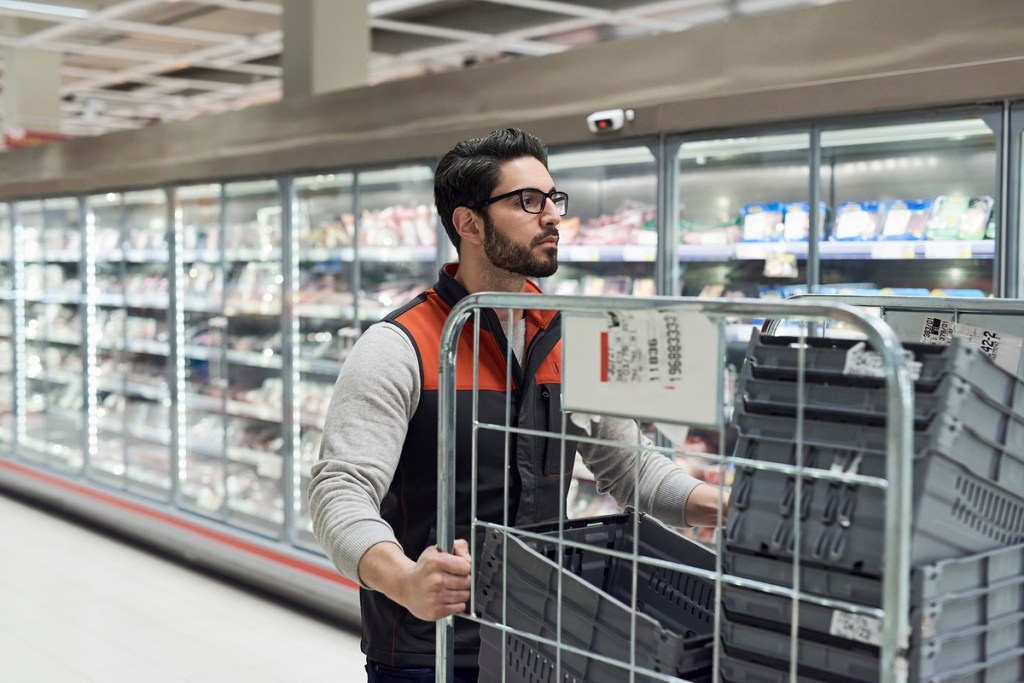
{"x": 48, "y": 9}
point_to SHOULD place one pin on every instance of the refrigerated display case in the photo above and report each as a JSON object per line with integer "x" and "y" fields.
{"x": 128, "y": 344}
{"x": 608, "y": 242}
{"x": 372, "y": 232}
{"x": 325, "y": 324}
{"x": 8, "y": 340}
{"x": 732, "y": 237}
{"x": 904, "y": 205}
{"x": 914, "y": 205}
{"x": 231, "y": 447}
{"x": 397, "y": 238}
{"x": 52, "y": 406}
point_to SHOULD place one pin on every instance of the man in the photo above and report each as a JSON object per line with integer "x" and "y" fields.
{"x": 373, "y": 494}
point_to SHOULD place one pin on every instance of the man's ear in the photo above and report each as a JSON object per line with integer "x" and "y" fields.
{"x": 468, "y": 224}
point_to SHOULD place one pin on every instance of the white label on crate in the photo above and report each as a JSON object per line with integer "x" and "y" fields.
{"x": 862, "y": 362}
{"x": 1003, "y": 349}
{"x": 660, "y": 364}
{"x": 858, "y": 627}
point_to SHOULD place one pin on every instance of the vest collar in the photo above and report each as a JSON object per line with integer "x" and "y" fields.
{"x": 452, "y": 292}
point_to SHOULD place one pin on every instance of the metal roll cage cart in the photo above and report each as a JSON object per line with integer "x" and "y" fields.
{"x": 895, "y": 486}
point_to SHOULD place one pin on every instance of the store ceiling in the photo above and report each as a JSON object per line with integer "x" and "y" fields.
{"x": 132, "y": 63}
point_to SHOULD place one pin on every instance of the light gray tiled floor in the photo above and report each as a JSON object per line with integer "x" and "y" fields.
{"x": 77, "y": 606}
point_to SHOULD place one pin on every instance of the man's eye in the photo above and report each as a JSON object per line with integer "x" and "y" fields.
{"x": 531, "y": 201}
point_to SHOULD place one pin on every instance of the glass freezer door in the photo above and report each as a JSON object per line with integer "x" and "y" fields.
{"x": 325, "y": 324}
{"x": 608, "y": 241}
{"x": 254, "y": 401}
{"x": 397, "y": 238}
{"x": 8, "y": 296}
{"x": 55, "y": 427}
{"x": 200, "y": 326}
{"x": 734, "y": 237}
{"x": 129, "y": 329}
{"x": 912, "y": 206}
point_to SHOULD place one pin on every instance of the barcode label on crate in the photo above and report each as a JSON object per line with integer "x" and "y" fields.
{"x": 1003, "y": 349}
{"x": 863, "y": 362}
{"x": 858, "y": 627}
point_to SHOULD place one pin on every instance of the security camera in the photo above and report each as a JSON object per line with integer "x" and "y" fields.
{"x": 609, "y": 120}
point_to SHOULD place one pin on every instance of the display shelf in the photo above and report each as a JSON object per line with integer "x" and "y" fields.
{"x": 53, "y": 298}
{"x": 268, "y": 359}
{"x": 324, "y": 255}
{"x": 253, "y": 411}
{"x": 884, "y": 249}
{"x": 253, "y": 255}
{"x": 574, "y": 253}
{"x": 319, "y": 367}
{"x": 386, "y": 254}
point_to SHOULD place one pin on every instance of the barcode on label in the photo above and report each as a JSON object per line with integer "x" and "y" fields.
{"x": 856, "y": 627}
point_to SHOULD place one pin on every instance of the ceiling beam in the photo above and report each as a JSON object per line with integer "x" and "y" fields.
{"x": 497, "y": 41}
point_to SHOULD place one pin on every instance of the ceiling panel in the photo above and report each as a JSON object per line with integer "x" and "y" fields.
{"x": 129, "y": 63}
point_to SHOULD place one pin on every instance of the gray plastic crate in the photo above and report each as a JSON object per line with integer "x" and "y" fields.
{"x": 928, "y": 619}
{"x": 1003, "y": 669}
{"x": 970, "y": 650}
{"x": 930, "y": 583}
{"x": 525, "y": 663}
{"x": 675, "y": 618}
{"x": 824, "y": 360}
{"x": 954, "y": 513}
{"x": 980, "y": 435}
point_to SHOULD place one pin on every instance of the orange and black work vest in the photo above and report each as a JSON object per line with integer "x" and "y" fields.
{"x": 536, "y": 464}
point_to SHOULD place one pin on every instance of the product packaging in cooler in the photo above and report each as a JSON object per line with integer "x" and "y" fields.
{"x": 905, "y": 219}
{"x": 673, "y": 623}
{"x": 857, "y": 221}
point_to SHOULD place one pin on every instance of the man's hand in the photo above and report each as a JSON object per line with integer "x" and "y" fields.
{"x": 435, "y": 586}
{"x": 702, "y": 506}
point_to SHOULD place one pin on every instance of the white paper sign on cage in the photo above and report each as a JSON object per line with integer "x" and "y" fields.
{"x": 658, "y": 364}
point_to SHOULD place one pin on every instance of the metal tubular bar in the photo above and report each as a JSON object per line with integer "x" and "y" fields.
{"x": 899, "y": 396}
{"x": 816, "y": 230}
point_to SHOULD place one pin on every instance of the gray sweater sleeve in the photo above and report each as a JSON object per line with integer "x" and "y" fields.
{"x": 663, "y": 486}
{"x": 374, "y": 398}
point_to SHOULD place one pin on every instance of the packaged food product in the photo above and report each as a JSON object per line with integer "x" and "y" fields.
{"x": 762, "y": 222}
{"x": 906, "y": 219}
{"x": 856, "y": 221}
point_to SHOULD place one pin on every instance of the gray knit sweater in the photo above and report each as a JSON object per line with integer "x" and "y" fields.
{"x": 375, "y": 397}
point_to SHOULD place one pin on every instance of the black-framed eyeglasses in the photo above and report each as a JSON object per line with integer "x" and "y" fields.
{"x": 532, "y": 200}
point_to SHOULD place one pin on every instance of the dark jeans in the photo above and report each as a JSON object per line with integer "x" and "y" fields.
{"x": 380, "y": 673}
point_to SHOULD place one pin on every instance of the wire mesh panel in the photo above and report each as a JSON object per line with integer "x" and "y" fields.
{"x": 810, "y": 576}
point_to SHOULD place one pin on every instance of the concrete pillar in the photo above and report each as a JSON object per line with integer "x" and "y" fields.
{"x": 31, "y": 95}
{"x": 326, "y": 46}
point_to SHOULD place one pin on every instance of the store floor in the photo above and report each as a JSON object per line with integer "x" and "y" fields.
{"x": 78, "y": 606}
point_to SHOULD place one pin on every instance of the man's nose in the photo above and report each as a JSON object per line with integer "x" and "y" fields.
{"x": 550, "y": 213}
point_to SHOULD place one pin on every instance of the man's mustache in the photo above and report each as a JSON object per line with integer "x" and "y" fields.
{"x": 550, "y": 232}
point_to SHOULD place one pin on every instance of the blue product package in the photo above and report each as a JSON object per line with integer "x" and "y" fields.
{"x": 796, "y": 220}
{"x": 762, "y": 222}
{"x": 857, "y": 221}
{"x": 905, "y": 219}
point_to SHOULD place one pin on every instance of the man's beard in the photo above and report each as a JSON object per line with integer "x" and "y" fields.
{"x": 515, "y": 257}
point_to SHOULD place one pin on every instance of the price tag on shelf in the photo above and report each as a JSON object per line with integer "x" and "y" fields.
{"x": 635, "y": 253}
{"x": 577, "y": 253}
{"x": 892, "y": 250}
{"x": 947, "y": 250}
{"x": 753, "y": 251}
{"x": 659, "y": 364}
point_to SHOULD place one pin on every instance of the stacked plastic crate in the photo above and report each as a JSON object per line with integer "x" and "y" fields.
{"x": 569, "y": 611}
{"x": 967, "y": 595}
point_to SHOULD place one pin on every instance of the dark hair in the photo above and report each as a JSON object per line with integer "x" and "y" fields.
{"x": 470, "y": 171}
